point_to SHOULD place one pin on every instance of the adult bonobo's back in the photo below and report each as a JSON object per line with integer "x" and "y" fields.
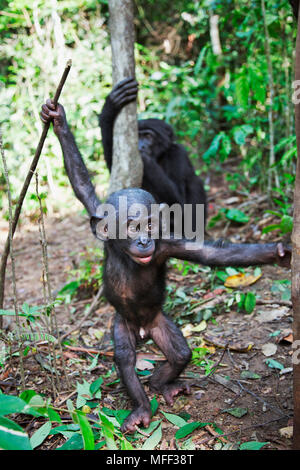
{"x": 168, "y": 173}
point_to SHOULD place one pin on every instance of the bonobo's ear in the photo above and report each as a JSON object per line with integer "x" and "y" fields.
{"x": 99, "y": 227}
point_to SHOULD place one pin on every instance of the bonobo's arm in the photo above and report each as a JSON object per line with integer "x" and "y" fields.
{"x": 74, "y": 165}
{"x": 123, "y": 93}
{"x": 157, "y": 182}
{"x": 221, "y": 253}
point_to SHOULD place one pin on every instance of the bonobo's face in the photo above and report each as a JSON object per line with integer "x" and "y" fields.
{"x": 127, "y": 224}
{"x": 139, "y": 244}
{"x": 148, "y": 141}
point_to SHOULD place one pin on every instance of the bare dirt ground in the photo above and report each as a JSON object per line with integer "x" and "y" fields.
{"x": 265, "y": 398}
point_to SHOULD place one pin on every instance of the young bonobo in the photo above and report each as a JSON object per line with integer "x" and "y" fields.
{"x": 168, "y": 173}
{"x": 134, "y": 283}
{"x": 134, "y": 275}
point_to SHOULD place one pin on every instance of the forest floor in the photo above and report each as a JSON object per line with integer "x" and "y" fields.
{"x": 249, "y": 394}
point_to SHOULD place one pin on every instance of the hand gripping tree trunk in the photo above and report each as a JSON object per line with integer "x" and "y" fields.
{"x": 127, "y": 167}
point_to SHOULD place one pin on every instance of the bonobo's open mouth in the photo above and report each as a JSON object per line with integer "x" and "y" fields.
{"x": 143, "y": 260}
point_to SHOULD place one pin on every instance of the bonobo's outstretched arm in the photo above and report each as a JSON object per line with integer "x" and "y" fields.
{"x": 123, "y": 93}
{"x": 221, "y": 253}
{"x": 75, "y": 167}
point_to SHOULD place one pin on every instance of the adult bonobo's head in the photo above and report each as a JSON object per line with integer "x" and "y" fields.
{"x": 155, "y": 137}
{"x": 126, "y": 223}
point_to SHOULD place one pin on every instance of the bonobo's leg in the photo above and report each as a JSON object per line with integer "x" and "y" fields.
{"x": 178, "y": 354}
{"x": 125, "y": 359}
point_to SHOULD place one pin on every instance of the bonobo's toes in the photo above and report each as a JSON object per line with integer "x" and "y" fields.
{"x": 141, "y": 415}
{"x": 169, "y": 391}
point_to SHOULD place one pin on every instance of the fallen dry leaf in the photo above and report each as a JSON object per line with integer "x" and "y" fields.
{"x": 241, "y": 280}
{"x": 286, "y": 432}
{"x": 143, "y": 364}
{"x": 269, "y": 349}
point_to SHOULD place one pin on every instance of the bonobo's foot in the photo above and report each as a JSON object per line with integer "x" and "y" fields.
{"x": 140, "y": 415}
{"x": 169, "y": 391}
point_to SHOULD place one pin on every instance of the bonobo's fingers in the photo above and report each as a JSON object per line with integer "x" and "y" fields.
{"x": 284, "y": 255}
{"x": 140, "y": 415}
{"x": 170, "y": 391}
{"x": 124, "y": 92}
{"x": 124, "y": 82}
{"x": 56, "y": 114}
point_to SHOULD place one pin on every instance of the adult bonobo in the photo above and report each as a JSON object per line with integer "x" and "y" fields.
{"x": 168, "y": 173}
{"x": 135, "y": 272}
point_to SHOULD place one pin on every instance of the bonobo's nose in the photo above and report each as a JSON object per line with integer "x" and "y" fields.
{"x": 144, "y": 241}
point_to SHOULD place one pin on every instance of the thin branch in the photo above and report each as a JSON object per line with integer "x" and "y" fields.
{"x": 26, "y": 185}
{"x": 11, "y": 252}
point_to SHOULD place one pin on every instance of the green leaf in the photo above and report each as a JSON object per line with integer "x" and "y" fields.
{"x": 286, "y": 224}
{"x": 86, "y": 431}
{"x": 83, "y": 390}
{"x": 252, "y": 445}
{"x": 153, "y": 440}
{"x": 12, "y": 436}
{"x": 250, "y": 302}
{"x": 242, "y": 91}
{"x": 248, "y": 374}
{"x": 236, "y": 412}
{"x": 175, "y": 419}
{"x": 240, "y": 133}
{"x": 125, "y": 445}
{"x": 53, "y": 415}
{"x": 188, "y": 428}
{"x": 154, "y": 406}
{"x": 237, "y": 216}
{"x": 40, "y": 435}
{"x": 95, "y": 386}
{"x": 214, "y": 146}
{"x": 274, "y": 364}
{"x": 74, "y": 443}
{"x": 70, "y": 288}
{"x": 12, "y": 404}
{"x": 108, "y": 432}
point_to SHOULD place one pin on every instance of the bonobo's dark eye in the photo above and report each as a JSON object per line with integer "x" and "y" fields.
{"x": 149, "y": 226}
{"x": 132, "y": 228}
{"x": 105, "y": 228}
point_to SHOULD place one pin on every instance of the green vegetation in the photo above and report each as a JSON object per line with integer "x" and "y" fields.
{"x": 219, "y": 104}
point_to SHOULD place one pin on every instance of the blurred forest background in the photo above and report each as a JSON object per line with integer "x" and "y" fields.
{"x": 219, "y": 71}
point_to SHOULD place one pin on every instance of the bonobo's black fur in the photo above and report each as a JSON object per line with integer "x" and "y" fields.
{"x": 168, "y": 173}
{"x": 134, "y": 277}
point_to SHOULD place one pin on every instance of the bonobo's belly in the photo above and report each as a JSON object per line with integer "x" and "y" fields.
{"x": 137, "y": 294}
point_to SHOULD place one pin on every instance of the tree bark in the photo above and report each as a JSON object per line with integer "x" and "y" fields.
{"x": 296, "y": 265}
{"x": 127, "y": 167}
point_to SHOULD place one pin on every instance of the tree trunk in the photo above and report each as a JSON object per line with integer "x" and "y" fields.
{"x": 127, "y": 167}
{"x": 296, "y": 264}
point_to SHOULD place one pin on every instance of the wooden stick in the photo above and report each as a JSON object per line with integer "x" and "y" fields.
{"x": 26, "y": 185}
